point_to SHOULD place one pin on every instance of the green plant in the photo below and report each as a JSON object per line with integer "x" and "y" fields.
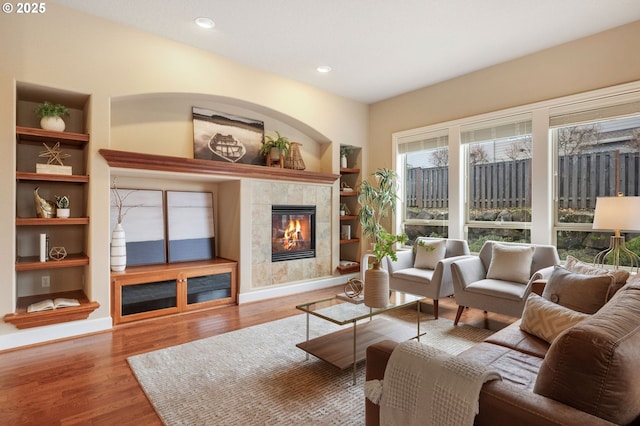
{"x": 62, "y": 202}
{"x": 377, "y": 202}
{"x": 47, "y": 109}
{"x": 345, "y": 150}
{"x": 281, "y": 142}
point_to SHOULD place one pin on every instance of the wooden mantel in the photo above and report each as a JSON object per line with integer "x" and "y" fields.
{"x": 136, "y": 160}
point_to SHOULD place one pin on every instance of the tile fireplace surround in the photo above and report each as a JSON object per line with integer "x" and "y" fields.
{"x": 264, "y": 273}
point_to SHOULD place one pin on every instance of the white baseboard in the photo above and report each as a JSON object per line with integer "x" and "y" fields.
{"x": 31, "y": 336}
{"x": 290, "y": 289}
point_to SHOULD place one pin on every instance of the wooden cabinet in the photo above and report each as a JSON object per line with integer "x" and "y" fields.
{"x": 143, "y": 292}
{"x": 37, "y": 280}
{"x": 349, "y": 226}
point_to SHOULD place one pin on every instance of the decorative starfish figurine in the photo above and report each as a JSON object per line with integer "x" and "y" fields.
{"x": 54, "y": 155}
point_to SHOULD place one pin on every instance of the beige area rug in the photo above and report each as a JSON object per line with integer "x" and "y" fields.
{"x": 257, "y": 376}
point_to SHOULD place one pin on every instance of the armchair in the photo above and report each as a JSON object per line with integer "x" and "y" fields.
{"x": 499, "y": 279}
{"x": 431, "y": 279}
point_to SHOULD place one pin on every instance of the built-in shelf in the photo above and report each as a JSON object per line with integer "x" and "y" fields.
{"x": 136, "y": 160}
{"x": 350, "y": 241}
{"x": 22, "y": 319}
{"x": 33, "y": 135}
{"x": 39, "y": 221}
{"x": 42, "y": 177}
{"x": 31, "y": 263}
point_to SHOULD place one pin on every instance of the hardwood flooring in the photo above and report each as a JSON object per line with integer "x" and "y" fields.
{"x": 86, "y": 380}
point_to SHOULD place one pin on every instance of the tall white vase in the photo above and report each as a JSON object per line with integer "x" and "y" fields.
{"x": 118, "y": 249}
{"x": 376, "y": 287}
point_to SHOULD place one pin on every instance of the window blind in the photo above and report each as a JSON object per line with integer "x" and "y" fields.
{"x": 423, "y": 141}
{"x": 503, "y": 128}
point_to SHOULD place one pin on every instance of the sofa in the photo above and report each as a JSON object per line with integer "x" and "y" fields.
{"x": 426, "y": 269}
{"x": 588, "y": 375}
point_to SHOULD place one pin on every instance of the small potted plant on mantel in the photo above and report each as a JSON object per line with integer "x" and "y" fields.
{"x": 275, "y": 148}
{"x": 51, "y": 116}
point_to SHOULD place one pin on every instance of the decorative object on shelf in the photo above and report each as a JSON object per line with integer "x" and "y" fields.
{"x": 617, "y": 214}
{"x": 54, "y": 164}
{"x": 62, "y": 204}
{"x": 344, "y": 151}
{"x": 44, "y": 247}
{"x": 44, "y": 208}
{"x": 294, "y": 160}
{"x": 345, "y": 188}
{"x": 377, "y": 202}
{"x": 345, "y": 232}
{"x": 344, "y": 209}
{"x": 275, "y": 149}
{"x": 51, "y": 116}
{"x": 223, "y": 137}
{"x": 118, "y": 240}
{"x": 57, "y": 253}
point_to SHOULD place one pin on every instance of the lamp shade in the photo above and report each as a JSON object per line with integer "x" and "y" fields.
{"x": 617, "y": 213}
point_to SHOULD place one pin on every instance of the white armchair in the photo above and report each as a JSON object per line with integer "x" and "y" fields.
{"x": 499, "y": 279}
{"x": 431, "y": 279}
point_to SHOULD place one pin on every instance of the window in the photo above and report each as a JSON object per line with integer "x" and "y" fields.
{"x": 424, "y": 160}
{"x": 597, "y": 154}
{"x": 498, "y": 180}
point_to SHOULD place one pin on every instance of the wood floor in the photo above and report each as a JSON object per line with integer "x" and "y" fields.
{"x": 87, "y": 380}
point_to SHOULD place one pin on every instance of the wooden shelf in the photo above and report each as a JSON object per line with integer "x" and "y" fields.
{"x": 348, "y": 194}
{"x": 349, "y": 217}
{"x": 136, "y": 160}
{"x": 32, "y": 263}
{"x": 22, "y": 319}
{"x": 349, "y": 268}
{"x": 349, "y": 171}
{"x": 351, "y": 241}
{"x": 39, "y": 221}
{"x": 43, "y": 177}
{"x": 37, "y": 136}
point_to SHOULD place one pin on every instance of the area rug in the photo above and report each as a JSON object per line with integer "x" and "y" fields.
{"x": 257, "y": 376}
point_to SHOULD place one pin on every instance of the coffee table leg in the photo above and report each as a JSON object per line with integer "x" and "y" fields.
{"x": 354, "y": 352}
{"x": 418, "y": 320}
{"x": 307, "y": 357}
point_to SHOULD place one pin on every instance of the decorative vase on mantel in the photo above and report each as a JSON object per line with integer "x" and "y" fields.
{"x": 376, "y": 286}
{"x": 118, "y": 249}
{"x": 343, "y": 161}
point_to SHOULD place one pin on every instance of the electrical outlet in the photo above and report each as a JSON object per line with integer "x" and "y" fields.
{"x": 46, "y": 281}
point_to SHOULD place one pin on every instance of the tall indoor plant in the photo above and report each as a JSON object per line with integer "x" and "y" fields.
{"x": 378, "y": 201}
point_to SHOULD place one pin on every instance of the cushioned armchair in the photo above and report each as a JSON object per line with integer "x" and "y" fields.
{"x": 499, "y": 279}
{"x": 426, "y": 270}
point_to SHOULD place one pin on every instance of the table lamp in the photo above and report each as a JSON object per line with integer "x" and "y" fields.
{"x": 617, "y": 214}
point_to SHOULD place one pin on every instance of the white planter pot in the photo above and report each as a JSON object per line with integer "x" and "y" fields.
{"x": 376, "y": 287}
{"x": 63, "y": 213}
{"x": 275, "y": 153}
{"x": 343, "y": 162}
{"x": 118, "y": 249}
{"x": 54, "y": 124}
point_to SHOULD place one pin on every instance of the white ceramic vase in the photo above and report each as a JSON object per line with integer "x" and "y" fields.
{"x": 343, "y": 161}
{"x": 54, "y": 124}
{"x": 118, "y": 249}
{"x": 376, "y": 287}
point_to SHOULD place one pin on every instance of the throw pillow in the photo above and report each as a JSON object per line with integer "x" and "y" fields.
{"x": 546, "y": 319}
{"x": 429, "y": 253}
{"x": 620, "y": 276}
{"x": 510, "y": 263}
{"x": 583, "y": 293}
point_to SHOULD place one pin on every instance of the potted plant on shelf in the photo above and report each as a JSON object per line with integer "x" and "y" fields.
{"x": 376, "y": 203}
{"x": 344, "y": 151}
{"x": 62, "y": 206}
{"x": 275, "y": 147}
{"x": 51, "y": 116}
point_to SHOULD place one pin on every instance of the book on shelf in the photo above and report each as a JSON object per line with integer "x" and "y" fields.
{"x": 48, "y": 304}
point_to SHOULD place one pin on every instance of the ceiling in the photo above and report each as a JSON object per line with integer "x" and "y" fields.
{"x": 377, "y": 49}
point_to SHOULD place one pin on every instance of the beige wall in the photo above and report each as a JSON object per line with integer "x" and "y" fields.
{"x": 121, "y": 66}
{"x": 602, "y": 60}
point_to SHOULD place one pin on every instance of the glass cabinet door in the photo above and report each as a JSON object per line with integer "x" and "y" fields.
{"x": 149, "y": 297}
{"x": 208, "y": 288}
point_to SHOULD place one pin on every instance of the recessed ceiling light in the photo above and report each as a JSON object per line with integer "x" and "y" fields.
{"x": 323, "y": 68}
{"x": 205, "y": 23}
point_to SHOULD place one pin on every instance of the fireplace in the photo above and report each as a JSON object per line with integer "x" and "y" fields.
{"x": 293, "y": 232}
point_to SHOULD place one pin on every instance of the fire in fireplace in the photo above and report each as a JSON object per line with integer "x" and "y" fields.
{"x": 293, "y": 232}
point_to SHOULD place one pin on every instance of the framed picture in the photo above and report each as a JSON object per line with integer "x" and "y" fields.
{"x": 143, "y": 223}
{"x": 190, "y": 226}
{"x": 224, "y": 137}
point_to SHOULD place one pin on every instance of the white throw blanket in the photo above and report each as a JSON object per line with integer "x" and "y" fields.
{"x": 425, "y": 386}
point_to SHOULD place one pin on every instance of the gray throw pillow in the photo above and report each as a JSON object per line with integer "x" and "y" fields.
{"x": 582, "y": 293}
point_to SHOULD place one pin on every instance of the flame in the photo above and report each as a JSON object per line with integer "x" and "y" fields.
{"x": 291, "y": 235}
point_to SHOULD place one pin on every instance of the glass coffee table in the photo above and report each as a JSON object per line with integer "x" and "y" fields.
{"x": 346, "y": 347}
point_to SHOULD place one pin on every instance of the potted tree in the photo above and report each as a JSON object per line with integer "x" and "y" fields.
{"x": 51, "y": 116}
{"x": 275, "y": 147}
{"x": 378, "y": 201}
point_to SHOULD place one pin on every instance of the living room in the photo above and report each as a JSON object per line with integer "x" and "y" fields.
{"x": 142, "y": 87}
